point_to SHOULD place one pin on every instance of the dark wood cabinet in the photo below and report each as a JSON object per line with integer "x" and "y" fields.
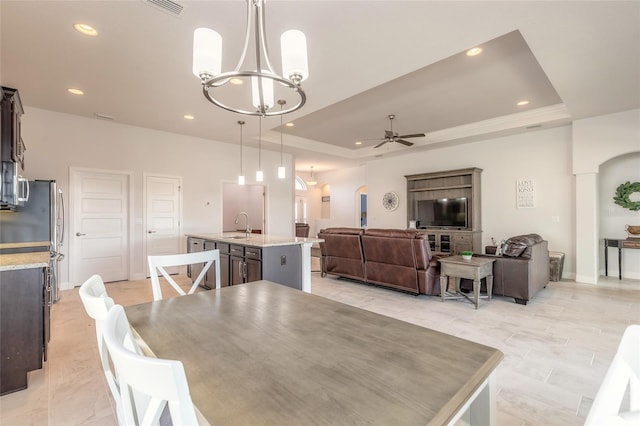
{"x": 24, "y": 322}
{"x": 246, "y": 264}
{"x": 12, "y": 145}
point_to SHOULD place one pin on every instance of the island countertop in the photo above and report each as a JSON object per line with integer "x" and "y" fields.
{"x": 255, "y": 240}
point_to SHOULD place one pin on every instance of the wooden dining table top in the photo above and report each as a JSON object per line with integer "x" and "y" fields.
{"x": 263, "y": 353}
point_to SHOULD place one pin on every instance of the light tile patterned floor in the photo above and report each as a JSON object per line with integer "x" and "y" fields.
{"x": 557, "y": 348}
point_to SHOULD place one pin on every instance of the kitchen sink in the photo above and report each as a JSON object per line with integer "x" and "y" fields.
{"x": 236, "y": 237}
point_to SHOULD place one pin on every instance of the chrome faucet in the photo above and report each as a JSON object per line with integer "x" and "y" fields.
{"x": 247, "y": 229}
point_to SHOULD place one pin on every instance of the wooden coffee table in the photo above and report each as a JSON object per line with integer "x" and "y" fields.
{"x": 455, "y": 267}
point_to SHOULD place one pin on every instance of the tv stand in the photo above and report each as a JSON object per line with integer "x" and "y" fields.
{"x": 449, "y": 184}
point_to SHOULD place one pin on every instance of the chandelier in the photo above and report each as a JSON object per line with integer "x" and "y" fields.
{"x": 223, "y": 89}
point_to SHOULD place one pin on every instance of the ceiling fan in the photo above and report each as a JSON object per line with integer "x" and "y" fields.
{"x": 391, "y": 136}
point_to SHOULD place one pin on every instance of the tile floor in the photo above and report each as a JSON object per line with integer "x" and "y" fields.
{"x": 557, "y": 348}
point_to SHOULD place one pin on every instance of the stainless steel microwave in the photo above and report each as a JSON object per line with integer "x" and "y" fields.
{"x": 14, "y": 189}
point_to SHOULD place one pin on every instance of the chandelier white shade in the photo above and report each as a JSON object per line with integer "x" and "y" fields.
{"x": 207, "y": 52}
{"x": 294, "y": 55}
{"x": 207, "y": 66}
{"x": 267, "y": 92}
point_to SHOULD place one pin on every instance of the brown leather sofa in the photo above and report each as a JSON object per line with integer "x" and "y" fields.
{"x": 522, "y": 270}
{"x": 342, "y": 252}
{"x": 397, "y": 259}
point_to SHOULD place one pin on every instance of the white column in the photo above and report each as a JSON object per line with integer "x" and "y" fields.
{"x": 587, "y": 228}
{"x": 306, "y": 266}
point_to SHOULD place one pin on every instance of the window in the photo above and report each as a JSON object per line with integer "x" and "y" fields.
{"x": 300, "y": 185}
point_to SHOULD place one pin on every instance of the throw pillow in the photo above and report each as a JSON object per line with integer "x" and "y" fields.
{"x": 513, "y": 249}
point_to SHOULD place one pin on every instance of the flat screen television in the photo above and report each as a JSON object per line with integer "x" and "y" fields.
{"x": 443, "y": 212}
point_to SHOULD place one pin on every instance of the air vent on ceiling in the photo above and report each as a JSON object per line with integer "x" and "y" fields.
{"x": 169, "y": 6}
{"x": 104, "y": 116}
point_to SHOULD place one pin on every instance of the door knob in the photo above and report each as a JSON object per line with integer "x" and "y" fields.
{"x": 79, "y": 234}
{"x": 151, "y": 232}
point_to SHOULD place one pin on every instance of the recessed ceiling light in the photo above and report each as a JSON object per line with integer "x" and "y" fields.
{"x": 358, "y": 142}
{"x": 75, "y": 91}
{"x": 289, "y": 124}
{"x": 522, "y": 103}
{"x": 85, "y": 29}
{"x": 474, "y": 51}
{"x": 236, "y": 81}
{"x": 188, "y": 117}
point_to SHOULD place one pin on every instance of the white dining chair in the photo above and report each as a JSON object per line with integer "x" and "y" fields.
{"x": 162, "y": 381}
{"x": 623, "y": 374}
{"x": 159, "y": 263}
{"x": 97, "y": 304}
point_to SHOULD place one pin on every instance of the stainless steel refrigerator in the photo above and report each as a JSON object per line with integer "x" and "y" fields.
{"x": 40, "y": 219}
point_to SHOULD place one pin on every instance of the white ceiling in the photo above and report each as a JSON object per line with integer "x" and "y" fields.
{"x": 367, "y": 59}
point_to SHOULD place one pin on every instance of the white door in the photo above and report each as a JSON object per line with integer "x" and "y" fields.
{"x": 100, "y": 225}
{"x": 162, "y": 214}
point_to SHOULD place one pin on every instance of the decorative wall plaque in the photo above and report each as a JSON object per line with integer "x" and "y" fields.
{"x": 525, "y": 194}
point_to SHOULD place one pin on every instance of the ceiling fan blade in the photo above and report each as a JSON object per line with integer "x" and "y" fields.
{"x": 388, "y": 134}
{"x": 403, "y": 142}
{"x": 415, "y": 135}
{"x": 381, "y": 143}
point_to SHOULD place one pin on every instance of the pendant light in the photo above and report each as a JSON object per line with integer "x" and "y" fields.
{"x": 312, "y": 181}
{"x": 241, "y": 176}
{"x": 259, "y": 174}
{"x": 282, "y": 173}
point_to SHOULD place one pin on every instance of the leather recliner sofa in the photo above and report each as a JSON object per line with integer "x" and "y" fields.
{"x": 521, "y": 270}
{"x": 398, "y": 259}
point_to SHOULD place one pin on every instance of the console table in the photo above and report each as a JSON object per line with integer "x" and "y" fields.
{"x": 630, "y": 243}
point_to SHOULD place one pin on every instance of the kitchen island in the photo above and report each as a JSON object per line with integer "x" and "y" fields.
{"x": 253, "y": 257}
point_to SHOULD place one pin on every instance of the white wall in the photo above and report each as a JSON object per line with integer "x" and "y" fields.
{"x": 543, "y": 155}
{"x": 595, "y": 141}
{"x": 599, "y": 139}
{"x": 613, "y": 217}
{"x": 55, "y": 142}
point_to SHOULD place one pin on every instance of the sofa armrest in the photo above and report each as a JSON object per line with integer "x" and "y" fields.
{"x": 539, "y": 267}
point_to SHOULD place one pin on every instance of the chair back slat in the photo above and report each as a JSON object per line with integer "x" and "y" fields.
{"x": 211, "y": 258}
{"x": 623, "y": 374}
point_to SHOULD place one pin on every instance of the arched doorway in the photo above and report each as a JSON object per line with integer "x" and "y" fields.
{"x": 361, "y": 206}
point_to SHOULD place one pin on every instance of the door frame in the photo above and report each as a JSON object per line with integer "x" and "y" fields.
{"x": 73, "y": 183}
{"x": 183, "y": 247}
